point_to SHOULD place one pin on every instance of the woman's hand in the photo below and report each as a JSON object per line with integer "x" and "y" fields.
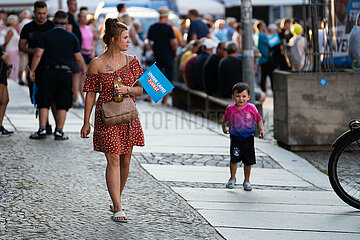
{"x": 85, "y": 130}
{"x": 121, "y": 90}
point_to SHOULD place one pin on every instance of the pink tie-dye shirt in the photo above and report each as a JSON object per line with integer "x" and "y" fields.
{"x": 242, "y": 121}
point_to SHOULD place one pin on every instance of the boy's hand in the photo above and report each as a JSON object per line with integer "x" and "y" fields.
{"x": 262, "y": 133}
{"x": 225, "y": 128}
{"x": 225, "y": 131}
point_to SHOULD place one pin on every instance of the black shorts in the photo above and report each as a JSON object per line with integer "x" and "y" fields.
{"x": 3, "y": 80}
{"x": 87, "y": 59}
{"x": 3, "y": 70}
{"x": 242, "y": 151}
{"x": 55, "y": 86}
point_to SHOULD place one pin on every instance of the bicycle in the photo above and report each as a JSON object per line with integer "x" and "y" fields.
{"x": 344, "y": 165}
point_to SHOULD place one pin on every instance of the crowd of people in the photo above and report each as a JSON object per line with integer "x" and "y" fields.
{"x": 205, "y": 53}
{"x": 211, "y": 59}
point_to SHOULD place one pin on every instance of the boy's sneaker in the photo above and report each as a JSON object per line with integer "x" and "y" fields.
{"x": 231, "y": 184}
{"x": 4, "y": 132}
{"x": 60, "y": 135}
{"x": 48, "y": 129}
{"x": 40, "y": 134}
{"x": 247, "y": 186}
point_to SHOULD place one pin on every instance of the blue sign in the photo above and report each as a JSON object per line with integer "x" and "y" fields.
{"x": 274, "y": 40}
{"x": 323, "y": 82}
{"x": 155, "y": 83}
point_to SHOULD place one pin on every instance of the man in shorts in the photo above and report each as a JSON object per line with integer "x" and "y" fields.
{"x": 29, "y": 37}
{"x": 58, "y": 48}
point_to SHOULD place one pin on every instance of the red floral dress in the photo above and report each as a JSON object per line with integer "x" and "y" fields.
{"x": 117, "y": 138}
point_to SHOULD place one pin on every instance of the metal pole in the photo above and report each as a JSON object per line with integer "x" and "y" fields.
{"x": 315, "y": 35}
{"x": 60, "y": 4}
{"x": 248, "y": 51}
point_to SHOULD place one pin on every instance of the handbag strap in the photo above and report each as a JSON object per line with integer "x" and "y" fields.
{"x": 127, "y": 69}
{"x": 127, "y": 66}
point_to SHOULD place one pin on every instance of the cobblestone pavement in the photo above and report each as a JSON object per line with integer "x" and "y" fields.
{"x": 211, "y": 160}
{"x": 318, "y": 159}
{"x": 199, "y": 160}
{"x": 56, "y": 190}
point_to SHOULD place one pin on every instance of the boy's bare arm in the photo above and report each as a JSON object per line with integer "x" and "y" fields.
{"x": 224, "y": 128}
{"x": 261, "y": 126}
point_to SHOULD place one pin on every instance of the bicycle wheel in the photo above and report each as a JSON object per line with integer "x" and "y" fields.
{"x": 344, "y": 169}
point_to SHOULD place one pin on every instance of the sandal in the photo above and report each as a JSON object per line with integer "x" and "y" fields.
{"x": 119, "y": 217}
{"x": 111, "y": 208}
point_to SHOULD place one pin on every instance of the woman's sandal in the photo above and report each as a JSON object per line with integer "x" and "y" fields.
{"x": 111, "y": 208}
{"x": 119, "y": 217}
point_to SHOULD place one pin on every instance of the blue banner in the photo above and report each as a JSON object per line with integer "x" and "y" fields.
{"x": 155, "y": 83}
{"x": 274, "y": 40}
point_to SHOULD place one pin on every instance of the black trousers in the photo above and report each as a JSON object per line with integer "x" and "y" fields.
{"x": 266, "y": 70}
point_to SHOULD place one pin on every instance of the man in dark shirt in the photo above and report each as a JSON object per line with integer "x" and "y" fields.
{"x": 230, "y": 70}
{"x": 208, "y": 46}
{"x": 58, "y": 48}
{"x": 210, "y": 70}
{"x": 164, "y": 45}
{"x": 198, "y": 29}
{"x": 29, "y": 37}
{"x": 75, "y": 27}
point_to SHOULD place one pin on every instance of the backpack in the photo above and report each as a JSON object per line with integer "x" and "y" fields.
{"x": 292, "y": 51}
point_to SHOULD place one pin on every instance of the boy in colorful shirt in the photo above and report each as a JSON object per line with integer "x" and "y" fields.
{"x": 242, "y": 117}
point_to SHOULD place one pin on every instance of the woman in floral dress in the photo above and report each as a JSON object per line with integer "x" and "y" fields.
{"x": 117, "y": 140}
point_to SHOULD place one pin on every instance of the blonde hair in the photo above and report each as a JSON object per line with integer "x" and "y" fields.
{"x": 12, "y": 19}
{"x": 113, "y": 28}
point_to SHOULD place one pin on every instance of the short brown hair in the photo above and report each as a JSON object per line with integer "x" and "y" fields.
{"x": 240, "y": 87}
{"x": 194, "y": 12}
{"x": 60, "y": 16}
{"x": 39, "y": 4}
{"x": 113, "y": 28}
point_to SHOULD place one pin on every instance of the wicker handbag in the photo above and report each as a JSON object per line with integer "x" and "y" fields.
{"x": 119, "y": 112}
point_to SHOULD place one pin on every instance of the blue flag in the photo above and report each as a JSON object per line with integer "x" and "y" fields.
{"x": 274, "y": 40}
{"x": 155, "y": 83}
{"x": 34, "y": 93}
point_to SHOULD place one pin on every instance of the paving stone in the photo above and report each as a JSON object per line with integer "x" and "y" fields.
{"x": 56, "y": 190}
{"x": 199, "y": 160}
